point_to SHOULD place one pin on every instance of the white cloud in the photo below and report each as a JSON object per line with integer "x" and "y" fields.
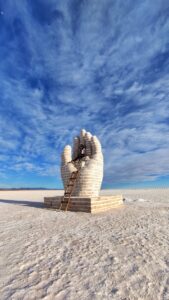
{"x": 101, "y": 66}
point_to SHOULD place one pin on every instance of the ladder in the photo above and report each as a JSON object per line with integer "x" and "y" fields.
{"x": 69, "y": 189}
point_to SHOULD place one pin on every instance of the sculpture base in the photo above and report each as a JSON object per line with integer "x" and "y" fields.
{"x": 85, "y": 204}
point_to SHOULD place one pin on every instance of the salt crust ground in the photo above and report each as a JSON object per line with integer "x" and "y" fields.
{"x": 121, "y": 254}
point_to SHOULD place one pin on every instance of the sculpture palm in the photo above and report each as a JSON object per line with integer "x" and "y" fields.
{"x": 91, "y": 166}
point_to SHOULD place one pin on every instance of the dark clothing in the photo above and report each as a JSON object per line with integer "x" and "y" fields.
{"x": 80, "y": 156}
{"x": 81, "y": 153}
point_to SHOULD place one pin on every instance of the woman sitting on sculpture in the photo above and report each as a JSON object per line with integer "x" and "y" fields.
{"x": 81, "y": 152}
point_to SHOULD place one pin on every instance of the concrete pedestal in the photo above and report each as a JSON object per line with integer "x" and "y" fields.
{"x": 85, "y": 204}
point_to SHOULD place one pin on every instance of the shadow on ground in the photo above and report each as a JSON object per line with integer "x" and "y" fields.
{"x": 23, "y": 203}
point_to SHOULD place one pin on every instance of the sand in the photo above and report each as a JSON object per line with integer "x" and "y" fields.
{"x": 120, "y": 254}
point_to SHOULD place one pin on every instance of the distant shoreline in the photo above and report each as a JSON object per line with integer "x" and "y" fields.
{"x": 29, "y": 189}
{"x": 46, "y": 189}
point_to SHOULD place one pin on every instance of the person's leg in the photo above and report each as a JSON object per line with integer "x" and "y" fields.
{"x": 79, "y": 157}
{"x": 75, "y": 159}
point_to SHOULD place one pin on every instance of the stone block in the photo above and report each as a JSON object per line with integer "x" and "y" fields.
{"x": 85, "y": 204}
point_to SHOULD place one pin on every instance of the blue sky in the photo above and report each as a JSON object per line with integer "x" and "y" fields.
{"x": 71, "y": 64}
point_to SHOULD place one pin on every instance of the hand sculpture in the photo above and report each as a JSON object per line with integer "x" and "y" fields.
{"x": 90, "y": 166}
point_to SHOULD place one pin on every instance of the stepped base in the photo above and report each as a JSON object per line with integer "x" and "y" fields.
{"x": 85, "y": 204}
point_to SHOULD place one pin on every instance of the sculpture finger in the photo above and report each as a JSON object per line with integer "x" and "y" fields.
{"x": 67, "y": 154}
{"x": 96, "y": 146}
{"x": 88, "y": 137}
{"x": 82, "y": 136}
{"x": 76, "y": 144}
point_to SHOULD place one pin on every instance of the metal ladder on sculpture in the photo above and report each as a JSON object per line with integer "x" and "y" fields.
{"x": 68, "y": 191}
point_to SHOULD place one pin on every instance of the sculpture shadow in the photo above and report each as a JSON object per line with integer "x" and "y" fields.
{"x": 23, "y": 203}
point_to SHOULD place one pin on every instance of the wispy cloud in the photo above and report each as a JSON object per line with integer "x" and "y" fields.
{"x": 102, "y": 66}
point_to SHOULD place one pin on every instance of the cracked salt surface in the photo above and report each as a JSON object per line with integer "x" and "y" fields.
{"x": 119, "y": 254}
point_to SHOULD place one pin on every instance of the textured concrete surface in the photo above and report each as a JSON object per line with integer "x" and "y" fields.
{"x": 85, "y": 204}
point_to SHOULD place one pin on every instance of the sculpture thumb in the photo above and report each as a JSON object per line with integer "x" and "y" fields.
{"x": 66, "y": 154}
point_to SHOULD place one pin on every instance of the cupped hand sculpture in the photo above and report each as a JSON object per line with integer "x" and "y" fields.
{"x": 89, "y": 164}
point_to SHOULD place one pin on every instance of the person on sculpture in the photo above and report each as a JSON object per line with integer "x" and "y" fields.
{"x": 87, "y": 157}
{"x": 81, "y": 153}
